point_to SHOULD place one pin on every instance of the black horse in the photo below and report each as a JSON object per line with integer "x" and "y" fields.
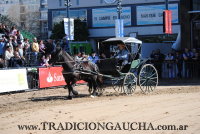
{"x": 73, "y": 71}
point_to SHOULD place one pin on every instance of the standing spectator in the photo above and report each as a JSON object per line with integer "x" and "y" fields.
{"x": 65, "y": 43}
{"x": 179, "y": 63}
{"x": 20, "y": 37}
{"x": 170, "y": 65}
{"x": 196, "y": 65}
{"x": 187, "y": 59}
{"x": 26, "y": 47}
{"x": 9, "y": 43}
{"x": 158, "y": 60}
{"x": 5, "y": 30}
{"x": 8, "y": 55}
{"x": 2, "y": 47}
{"x": 42, "y": 47}
{"x": 35, "y": 46}
{"x": 1, "y": 29}
{"x": 20, "y": 50}
{"x": 35, "y": 50}
{"x": 50, "y": 46}
{"x": 14, "y": 42}
{"x": 13, "y": 31}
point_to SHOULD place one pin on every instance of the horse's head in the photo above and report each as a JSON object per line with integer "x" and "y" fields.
{"x": 56, "y": 56}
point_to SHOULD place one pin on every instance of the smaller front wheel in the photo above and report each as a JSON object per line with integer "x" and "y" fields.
{"x": 130, "y": 83}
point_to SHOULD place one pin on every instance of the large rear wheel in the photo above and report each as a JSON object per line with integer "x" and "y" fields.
{"x": 148, "y": 78}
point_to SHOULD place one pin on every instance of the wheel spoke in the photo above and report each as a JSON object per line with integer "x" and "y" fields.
{"x": 143, "y": 82}
{"x": 153, "y": 78}
{"x": 152, "y": 75}
{"x": 153, "y": 81}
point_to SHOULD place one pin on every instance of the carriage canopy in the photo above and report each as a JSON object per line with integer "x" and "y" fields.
{"x": 124, "y": 40}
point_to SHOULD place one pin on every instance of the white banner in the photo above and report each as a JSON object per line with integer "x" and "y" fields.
{"x": 153, "y": 14}
{"x": 13, "y": 80}
{"x": 105, "y": 17}
{"x": 66, "y": 26}
{"x": 119, "y": 28}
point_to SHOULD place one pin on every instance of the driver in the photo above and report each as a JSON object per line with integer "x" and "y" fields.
{"x": 123, "y": 54}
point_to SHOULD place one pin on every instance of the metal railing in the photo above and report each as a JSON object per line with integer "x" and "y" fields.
{"x": 181, "y": 69}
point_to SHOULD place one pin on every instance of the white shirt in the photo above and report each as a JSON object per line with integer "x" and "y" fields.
{"x": 8, "y": 55}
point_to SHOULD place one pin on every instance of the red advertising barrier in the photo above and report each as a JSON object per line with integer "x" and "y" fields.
{"x": 52, "y": 76}
{"x": 167, "y": 21}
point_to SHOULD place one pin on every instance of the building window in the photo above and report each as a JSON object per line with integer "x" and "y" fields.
{"x": 77, "y": 2}
{"x": 101, "y": 1}
{"x": 22, "y": 9}
{"x": 44, "y": 16}
{"x": 60, "y": 3}
{"x": 58, "y": 16}
{"x": 196, "y": 5}
{"x": 23, "y": 25}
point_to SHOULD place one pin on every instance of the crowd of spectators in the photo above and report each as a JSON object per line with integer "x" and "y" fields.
{"x": 179, "y": 64}
{"x": 17, "y": 51}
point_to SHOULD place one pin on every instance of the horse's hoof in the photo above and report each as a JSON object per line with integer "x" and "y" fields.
{"x": 92, "y": 96}
{"x": 74, "y": 92}
{"x": 69, "y": 97}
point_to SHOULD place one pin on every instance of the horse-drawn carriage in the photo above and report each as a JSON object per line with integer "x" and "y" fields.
{"x": 123, "y": 77}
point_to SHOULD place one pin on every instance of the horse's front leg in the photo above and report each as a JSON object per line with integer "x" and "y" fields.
{"x": 70, "y": 88}
{"x": 90, "y": 90}
{"x": 94, "y": 85}
{"x": 72, "y": 83}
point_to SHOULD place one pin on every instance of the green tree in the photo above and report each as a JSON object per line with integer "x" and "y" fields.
{"x": 80, "y": 30}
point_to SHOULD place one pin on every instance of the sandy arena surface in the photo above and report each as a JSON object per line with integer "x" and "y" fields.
{"x": 167, "y": 105}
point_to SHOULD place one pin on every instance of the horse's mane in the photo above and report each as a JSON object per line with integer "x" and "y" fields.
{"x": 68, "y": 61}
{"x": 67, "y": 57}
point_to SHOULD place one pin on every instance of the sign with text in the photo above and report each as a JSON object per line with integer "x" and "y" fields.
{"x": 105, "y": 17}
{"x": 153, "y": 14}
{"x": 66, "y": 27}
{"x": 50, "y": 77}
{"x": 167, "y": 22}
{"x": 13, "y": 80}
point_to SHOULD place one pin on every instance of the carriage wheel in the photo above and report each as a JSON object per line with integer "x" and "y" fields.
{"x": 100, "y": 90}
{"x": 117, "y": 85}
{"x": 148, "y": 78}
{"x": 130, "y": 83}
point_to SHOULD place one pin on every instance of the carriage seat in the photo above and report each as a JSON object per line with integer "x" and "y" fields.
{"x": 109, "y": 67}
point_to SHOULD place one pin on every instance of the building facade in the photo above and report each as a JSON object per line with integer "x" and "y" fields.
{"x": 30, "y": 15}
{"x": 190, "y": 23}
{"x": 141, "y": 17}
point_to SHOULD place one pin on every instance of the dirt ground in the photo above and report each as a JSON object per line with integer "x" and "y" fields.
{"x": 167, "y": 105}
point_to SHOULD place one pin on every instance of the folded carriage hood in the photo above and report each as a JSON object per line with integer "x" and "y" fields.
{"x": 123, "y": 40}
